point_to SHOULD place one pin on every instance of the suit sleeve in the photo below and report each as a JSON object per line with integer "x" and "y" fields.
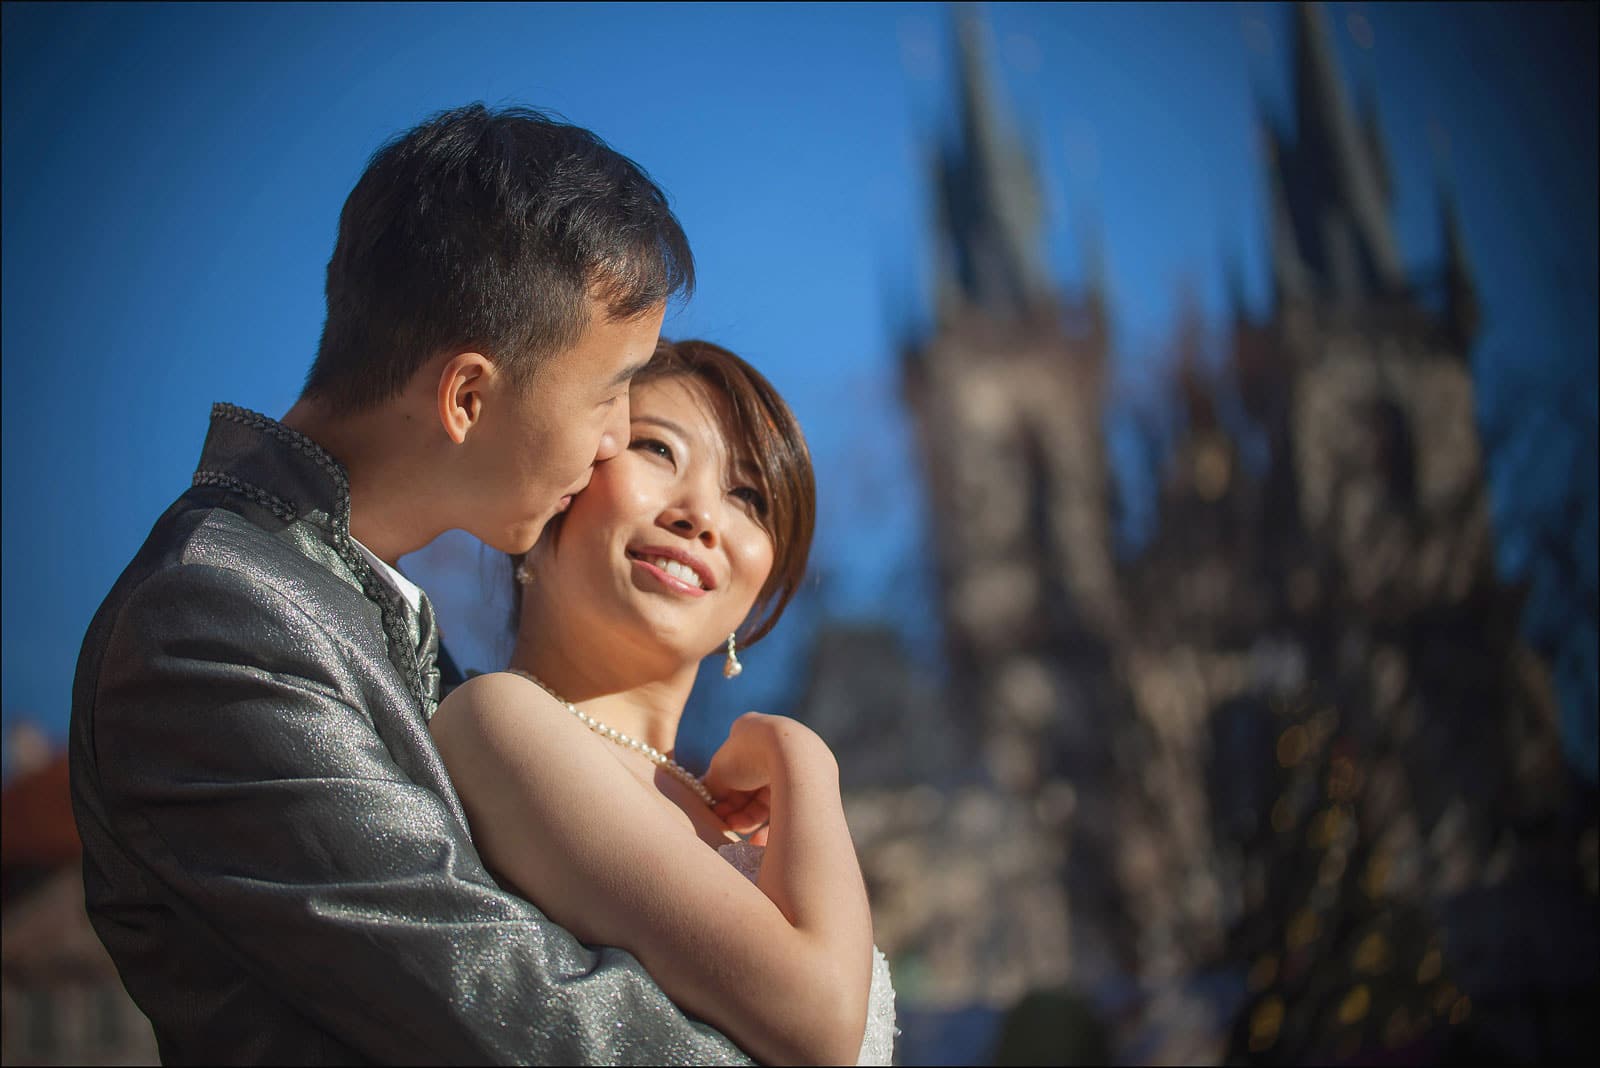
{"x": 239, "y": 768}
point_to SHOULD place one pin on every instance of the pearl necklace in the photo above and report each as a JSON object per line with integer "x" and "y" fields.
{"x": 656, "y": 756}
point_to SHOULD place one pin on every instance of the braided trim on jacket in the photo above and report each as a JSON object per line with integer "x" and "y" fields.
{"x": 297, "y": 441}
{"x": 376, "y": 589}
{"x": 393, "y": 613}
{"x": 279, "y": 507}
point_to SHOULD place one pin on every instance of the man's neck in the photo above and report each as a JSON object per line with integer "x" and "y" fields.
{"x": 379, "y": 451}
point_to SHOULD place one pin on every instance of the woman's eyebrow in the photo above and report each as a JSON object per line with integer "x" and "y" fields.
{"x": 665, "y": 424}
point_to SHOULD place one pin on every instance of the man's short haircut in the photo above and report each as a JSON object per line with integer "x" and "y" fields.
{"x": 487, "y": 231}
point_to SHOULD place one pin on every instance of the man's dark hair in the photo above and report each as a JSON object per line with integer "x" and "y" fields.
{"x": 487, "y": 231}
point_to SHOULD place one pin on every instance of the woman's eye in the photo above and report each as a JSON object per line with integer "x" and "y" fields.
{"x": 752, "y": 497}
{"x": 653, "y": 445}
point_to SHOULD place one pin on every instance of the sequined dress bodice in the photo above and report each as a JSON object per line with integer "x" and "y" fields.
{"x": 877, "y": 1045}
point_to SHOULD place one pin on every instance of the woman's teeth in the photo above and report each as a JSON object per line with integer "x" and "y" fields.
{"x": 680, "y": 571}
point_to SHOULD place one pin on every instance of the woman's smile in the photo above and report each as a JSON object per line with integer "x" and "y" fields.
{"x": 673, "y": 569}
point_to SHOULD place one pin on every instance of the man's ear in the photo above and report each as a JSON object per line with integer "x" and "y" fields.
{"x": 460, "y": 398}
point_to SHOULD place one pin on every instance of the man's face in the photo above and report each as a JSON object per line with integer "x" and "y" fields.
{"x": 538, "y": 446}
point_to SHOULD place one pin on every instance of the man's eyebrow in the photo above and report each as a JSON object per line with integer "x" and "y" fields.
{"x": 626, "y": 374}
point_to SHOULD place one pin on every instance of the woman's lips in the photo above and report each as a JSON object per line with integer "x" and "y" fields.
{"x": 676, "y": 585}
{"x": 673, "y": 570}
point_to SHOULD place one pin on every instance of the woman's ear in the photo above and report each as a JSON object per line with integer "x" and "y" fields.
{"x": 462, "y": 379}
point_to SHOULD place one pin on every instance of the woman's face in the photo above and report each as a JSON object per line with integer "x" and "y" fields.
{"x": 667, "y": 541}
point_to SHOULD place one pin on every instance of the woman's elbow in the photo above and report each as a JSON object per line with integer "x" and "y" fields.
{"x": 843, "y": 1047}
{"x": 837, "y": 1020}
{"x": 817, "y": 1048}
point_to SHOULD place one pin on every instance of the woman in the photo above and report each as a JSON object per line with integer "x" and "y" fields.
{"x": 700, "y": 526}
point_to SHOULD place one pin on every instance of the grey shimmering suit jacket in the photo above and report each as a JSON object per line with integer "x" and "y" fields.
{"x": 273, "y": 853}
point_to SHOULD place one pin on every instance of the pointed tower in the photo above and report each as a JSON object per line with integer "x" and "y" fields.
{"x": 1096, "y": 273}
{"x": 1233, "y": 289}
{"x": 1377, "y": 382}
{"x": 988, "y": 192}
{"x": 1290, "y": 283}
{"x": 1006, "y": 397}
{"x": 1372, "y": 133}
{"x": 1461, "y": 312}
{"x": 1334, "y": 183}
{"x": 1192, "y": 383}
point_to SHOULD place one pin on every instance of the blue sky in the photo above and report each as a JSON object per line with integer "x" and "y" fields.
{"x": 173, "y": 176}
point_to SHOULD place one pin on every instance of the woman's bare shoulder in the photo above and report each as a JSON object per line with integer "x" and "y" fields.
{"x": 490, "y": 706}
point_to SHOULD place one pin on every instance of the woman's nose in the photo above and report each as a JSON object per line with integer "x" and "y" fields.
{"x": 697, "y": 527}
{"x": 693, "y": 517}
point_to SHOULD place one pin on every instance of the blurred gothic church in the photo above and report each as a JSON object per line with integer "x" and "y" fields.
{"x": 1294, "y": 744}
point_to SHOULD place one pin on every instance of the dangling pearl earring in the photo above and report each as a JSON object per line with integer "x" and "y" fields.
{"x": 731, "y": 666}
{"x": 523, "y": 574}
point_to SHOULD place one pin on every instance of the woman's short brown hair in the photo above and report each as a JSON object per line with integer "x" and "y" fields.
{"x": 776, "y": 448}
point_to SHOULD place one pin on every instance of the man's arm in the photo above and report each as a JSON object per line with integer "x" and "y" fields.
{"x": 237, "y": 763}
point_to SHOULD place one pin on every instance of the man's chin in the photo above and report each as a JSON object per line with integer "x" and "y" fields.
{"x": 519, "y": 539}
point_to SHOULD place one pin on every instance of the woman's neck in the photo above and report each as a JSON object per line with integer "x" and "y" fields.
{"x": 645, "y": 705}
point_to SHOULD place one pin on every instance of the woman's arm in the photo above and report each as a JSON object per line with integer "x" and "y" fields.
{"x": 806, "y": 837}
{"x": 783, "y": 970}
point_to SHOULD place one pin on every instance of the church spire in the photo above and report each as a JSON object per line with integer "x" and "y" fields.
{"x": 1289, "y": 282}
{"x": 1461, "y": 311}
{"x": 1193, "y": 383}
{"x": 946, "y": 270}
{"x": 1338, "y": 207}
{"x": 1372, "y": 135}
{"x": 1233, "y": 287}
{"x": 991, "y": 205}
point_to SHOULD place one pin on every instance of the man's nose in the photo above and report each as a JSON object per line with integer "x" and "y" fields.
{"x": 614, "y": 437}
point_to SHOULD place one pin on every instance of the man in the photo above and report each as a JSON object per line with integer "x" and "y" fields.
{"x": 273, "y": 854}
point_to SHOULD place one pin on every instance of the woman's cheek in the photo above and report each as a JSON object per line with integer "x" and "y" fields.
{"x": 755, "y": 560}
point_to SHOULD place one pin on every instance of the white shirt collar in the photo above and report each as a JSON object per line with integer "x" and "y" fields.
{"x": 397, "y": 582}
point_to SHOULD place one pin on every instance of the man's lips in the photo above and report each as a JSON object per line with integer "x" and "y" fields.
{"x": 573, "y": 491}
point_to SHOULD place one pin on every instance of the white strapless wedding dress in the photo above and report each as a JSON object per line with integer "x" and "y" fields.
{"x": 877, "y": 1045}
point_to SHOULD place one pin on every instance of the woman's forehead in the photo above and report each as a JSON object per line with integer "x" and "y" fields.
{"x": 693, "y": 405}
{"x": 674, "y": 393}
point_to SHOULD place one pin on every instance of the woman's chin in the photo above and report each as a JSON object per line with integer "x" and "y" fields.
{"x": 681, "y": 644}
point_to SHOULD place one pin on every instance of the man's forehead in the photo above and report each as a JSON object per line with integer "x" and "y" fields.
{"x": 629, "y": 371}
